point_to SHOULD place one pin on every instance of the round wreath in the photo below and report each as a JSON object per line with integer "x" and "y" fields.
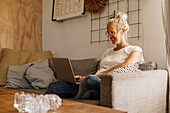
{"x": 95, "y": 6}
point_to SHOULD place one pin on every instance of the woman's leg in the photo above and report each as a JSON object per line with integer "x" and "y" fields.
{"x": 63, "y": 89}
{"x": 89, "y": 88}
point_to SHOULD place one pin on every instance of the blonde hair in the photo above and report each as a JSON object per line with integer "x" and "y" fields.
{"x": 121, "y": 20}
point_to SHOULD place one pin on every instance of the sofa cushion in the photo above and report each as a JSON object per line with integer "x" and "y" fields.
{"x": 149, "y": 65}
{"x": 87, "y": 101}
{"x": 40, "y": 75}
{"x": 51, "y": 65}
{"x": 16, "y": 58}
{"x": 35, "y": 91}
{"x": 85, "y": 66}
{"x": 34, "y": 56}
{"x": 16, "y": 78}
{"x": 11, "y": 57}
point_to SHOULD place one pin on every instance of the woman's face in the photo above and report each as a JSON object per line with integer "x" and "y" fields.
{"x": 113, "y": 33}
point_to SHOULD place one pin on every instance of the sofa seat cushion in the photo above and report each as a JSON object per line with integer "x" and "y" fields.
{"x": 35, "y": 91}
{"x": 87, "y": 101}
{"x": 42, "y": 91}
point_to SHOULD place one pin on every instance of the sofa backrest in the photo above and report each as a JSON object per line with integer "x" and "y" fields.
{"x": 84, "y": 66}
{"x": 90, "y": 66}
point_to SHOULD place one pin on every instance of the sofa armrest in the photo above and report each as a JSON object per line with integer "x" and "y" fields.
{"x": 137, "y": 92}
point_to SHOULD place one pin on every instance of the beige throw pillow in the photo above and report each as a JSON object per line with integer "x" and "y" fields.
{"x": 11, "y": 57}
{"x": 34, "y": 56}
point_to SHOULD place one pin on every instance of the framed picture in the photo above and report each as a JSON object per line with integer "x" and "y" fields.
{"x": 66, "y": 9}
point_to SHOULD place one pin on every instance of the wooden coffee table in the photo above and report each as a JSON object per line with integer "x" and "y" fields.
{"x": 7, "y": 101}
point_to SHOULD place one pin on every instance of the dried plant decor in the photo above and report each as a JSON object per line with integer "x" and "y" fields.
{"x": 95, "y": 6}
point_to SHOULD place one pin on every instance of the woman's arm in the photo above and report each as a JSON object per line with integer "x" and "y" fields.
{"x": 131, "y": 60}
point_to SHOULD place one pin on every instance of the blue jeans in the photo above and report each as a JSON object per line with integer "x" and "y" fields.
{"x": 89, "y": 88}
{"x": 63, "y": 89}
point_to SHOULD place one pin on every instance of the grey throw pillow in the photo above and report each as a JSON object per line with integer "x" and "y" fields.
{"x": 15, "y": 77}
{"x": 85, "y": 66}
{"x": 40, "y": 75}
{"x": 149, "y": 65}
{"x": 51, "y": 65}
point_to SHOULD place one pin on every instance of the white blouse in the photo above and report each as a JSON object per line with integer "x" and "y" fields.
{"x": 112, "y": 58}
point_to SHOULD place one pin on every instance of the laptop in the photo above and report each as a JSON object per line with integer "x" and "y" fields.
{"x": 64, "y": 70}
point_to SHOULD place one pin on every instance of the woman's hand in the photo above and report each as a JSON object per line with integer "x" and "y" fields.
{"x": 79, "y": 78}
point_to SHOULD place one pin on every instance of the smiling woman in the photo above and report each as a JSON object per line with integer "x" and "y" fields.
{"x": 119, "y": 24}
{"x": 123, "y": 54}
{"x": 122, "y": 57}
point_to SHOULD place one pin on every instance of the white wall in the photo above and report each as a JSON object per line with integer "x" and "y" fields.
{"x": 153, "y": 32}
{"x": 72, "y": 37}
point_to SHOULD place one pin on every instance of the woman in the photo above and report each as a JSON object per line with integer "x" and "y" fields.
{"x": 122, "y": 55}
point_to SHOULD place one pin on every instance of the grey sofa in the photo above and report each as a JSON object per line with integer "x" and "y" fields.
{"x": 137, "y": 92}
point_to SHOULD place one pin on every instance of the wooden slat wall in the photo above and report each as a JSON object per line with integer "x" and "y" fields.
{"x": 21, "y": 25}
